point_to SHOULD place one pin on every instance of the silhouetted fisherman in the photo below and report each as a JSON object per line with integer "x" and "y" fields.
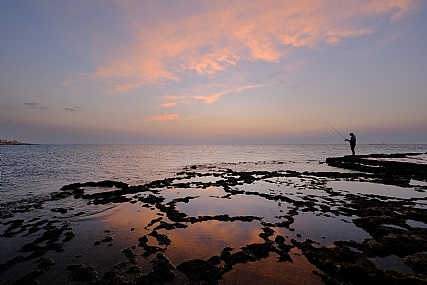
{"x": 352, "y": 141}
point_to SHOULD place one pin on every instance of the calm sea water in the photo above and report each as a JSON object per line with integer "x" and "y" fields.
{"x": 30, "y": 171}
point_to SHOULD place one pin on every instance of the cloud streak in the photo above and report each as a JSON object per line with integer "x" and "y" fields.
{"x": 209, "y": 99}
{"x": 72, "y": 109}
{"x": 166, "y": 105}
{"x": 36, "y": 106}
{"x": 167, "y": 117}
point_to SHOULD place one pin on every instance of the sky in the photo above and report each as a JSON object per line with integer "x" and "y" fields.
{"x": 213, "y": 72}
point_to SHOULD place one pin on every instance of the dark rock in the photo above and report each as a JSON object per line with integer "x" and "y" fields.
{"x": 131, "y": 255}
{"x": 418, "y": 262}
{"x": 83, "y": 273}
{"x": 59, "y": 210}
{"x": 114, "y": 276}
{"x": 161, "y": 273}
{"x": 69, "y": 235}
{"x": 107, "y": 239}
{"x": 201, "y": 271}
{"x": 267, "y": 232}
{"x": 45, "y": 263}
{"x": 134, "y": 270}
{"x": 143, "y": 240}
{"x": 161, "y": 238}
{"x": 60, "y": 195}
{"x": 392, "y": 172}
{"x": 344, "y": 266}
{"x": 279, "y": 239}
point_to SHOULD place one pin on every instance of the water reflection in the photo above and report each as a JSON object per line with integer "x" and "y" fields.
{"x": 237, "y": 205}
{"x": 327, "y": 229}
{"x": 391, "y": 262}
{"x": 376, "y": 189}
{"x": 416, "y": 224}
{"x": 269, "y": 271}
{"x": 174, "y": 193}
{"x": 204, "y": 240}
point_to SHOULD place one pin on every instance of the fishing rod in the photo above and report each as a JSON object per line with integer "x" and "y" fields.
{"x": 332, "y": 127}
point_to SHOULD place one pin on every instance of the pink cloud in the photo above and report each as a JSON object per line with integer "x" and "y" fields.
{"x": 209, "y": 99}
{"x": 211, "y": 36}
{"x": 167, "y": 117}
{"x": 166, "y": 105}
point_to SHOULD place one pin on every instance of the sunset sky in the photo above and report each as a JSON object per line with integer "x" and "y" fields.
{"x": 213, "y": 72}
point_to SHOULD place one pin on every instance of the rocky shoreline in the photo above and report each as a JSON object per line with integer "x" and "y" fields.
{"x": 147, "y": 250}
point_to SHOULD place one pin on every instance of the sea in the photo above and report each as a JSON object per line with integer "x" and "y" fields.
{"x": 36, "y": 171}
{"x": 105, "y": 236}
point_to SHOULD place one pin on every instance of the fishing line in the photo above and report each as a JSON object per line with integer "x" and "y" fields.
{"x": 332, "y": 127}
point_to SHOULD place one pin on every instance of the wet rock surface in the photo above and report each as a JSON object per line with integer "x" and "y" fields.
{"x": 395, "y": 226}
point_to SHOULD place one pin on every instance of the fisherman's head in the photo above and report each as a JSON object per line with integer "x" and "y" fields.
{"x": 351, "y": 134}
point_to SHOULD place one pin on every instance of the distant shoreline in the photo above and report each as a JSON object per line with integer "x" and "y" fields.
{"x": 13, "y": 143}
